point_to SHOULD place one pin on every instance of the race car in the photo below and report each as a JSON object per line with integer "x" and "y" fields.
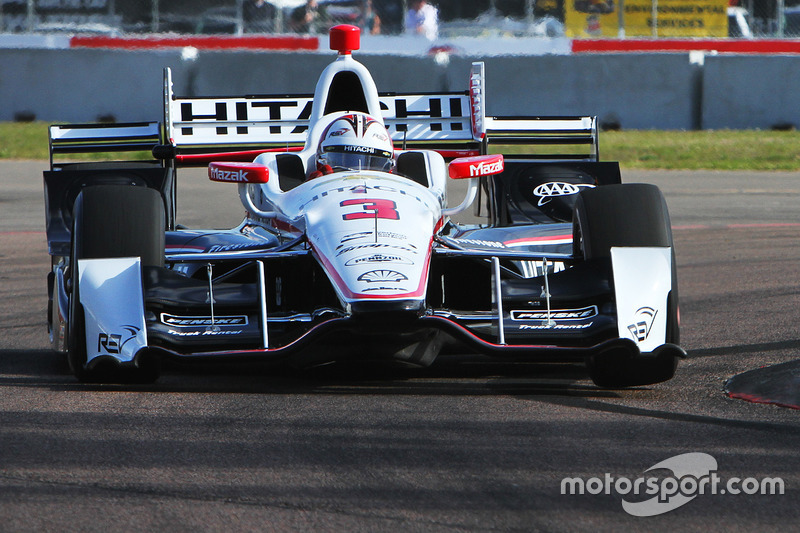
{"x": 349, "y": 249}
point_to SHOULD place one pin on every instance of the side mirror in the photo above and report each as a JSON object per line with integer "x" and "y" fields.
{"x": 474, "y": 167}
{"x": 233, "y": 172}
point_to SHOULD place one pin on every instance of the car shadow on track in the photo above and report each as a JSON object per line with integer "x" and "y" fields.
{"x": 448, "y": 376}
{"x": 33, "y": 367}
{"x": 726, "y": 423}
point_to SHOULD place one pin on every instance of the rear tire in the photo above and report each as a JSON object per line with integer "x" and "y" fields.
{"x": 632, "y": 214}
{"x": 112, "y": 221}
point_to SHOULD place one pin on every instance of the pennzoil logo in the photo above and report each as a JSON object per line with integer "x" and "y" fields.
{"x": 556, "y": 314}
{"x": 643, "y": 323}
{"x": 203, "y": 321}
{"x": 379, "y": 258}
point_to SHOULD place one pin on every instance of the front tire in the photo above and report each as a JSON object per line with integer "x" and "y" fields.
{"x": 112, "y": 221}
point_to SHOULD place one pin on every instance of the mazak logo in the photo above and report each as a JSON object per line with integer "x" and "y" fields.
{"x": 484, "y": 169}
{"x": 691, "y": 475}
{"x": 236, "y": 176}
{"x": 547, "y": 191}
{"x": 112, "y": 343}
{"x": 643, "y": 322}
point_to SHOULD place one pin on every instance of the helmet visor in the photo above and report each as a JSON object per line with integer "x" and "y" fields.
{"x": 357, "y": 158}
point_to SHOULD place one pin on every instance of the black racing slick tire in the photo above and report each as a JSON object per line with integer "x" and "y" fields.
{"x": 632, "y": 214}
{"x": 112, "y": 221}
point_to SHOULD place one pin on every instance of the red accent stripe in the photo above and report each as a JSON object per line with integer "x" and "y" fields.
{"x": 738, "y": 226}
{"x": 752, "y": 398}
{"x": 535, "y": 240}
{"x": 729, "y": 46}
{"x": 284, "y": 226}
{"x": 765, "y": 225}
{"x": 245, "y": 156}
{"x": 493, "y": 345}
{"x": 201, "y": 42}
{"x": 451, "y": 154}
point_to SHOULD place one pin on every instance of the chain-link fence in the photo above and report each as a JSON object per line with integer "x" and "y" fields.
{"x": 574, "y": 18}
{"x": 233, "y": 17}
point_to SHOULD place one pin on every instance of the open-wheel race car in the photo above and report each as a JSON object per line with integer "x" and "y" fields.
{"x": 348, "y": 248}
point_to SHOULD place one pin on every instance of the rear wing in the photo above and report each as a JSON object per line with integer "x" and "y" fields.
{"x": 88, "y": 138}
{"x": 199, "y": 129}
{"x": 547, "y": 138}
{"x": 455, "y": 124}
{"x": 203, "y": 125}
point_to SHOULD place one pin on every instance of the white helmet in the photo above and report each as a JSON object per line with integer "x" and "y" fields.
{"x": 356, "y": 141}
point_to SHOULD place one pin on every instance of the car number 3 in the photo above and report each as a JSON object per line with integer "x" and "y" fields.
{"x": 371, "y": 208}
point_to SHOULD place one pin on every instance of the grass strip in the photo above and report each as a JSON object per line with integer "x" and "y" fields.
{"x": 635, "y": 149}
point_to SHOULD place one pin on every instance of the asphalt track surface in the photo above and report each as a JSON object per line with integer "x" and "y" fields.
{"x": 462, "y": 446}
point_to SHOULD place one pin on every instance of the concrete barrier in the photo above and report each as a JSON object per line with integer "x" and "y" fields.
{"x": 748, "y": 92}
{"x": 633, "y": 91}
{"x": 82, "y": 85}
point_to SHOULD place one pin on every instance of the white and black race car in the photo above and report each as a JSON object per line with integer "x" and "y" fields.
{"x": 348, "y": 249}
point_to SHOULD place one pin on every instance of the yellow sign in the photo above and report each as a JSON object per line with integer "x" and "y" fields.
{"x": 641, "y": 18}
{"x": 591, "y": 18}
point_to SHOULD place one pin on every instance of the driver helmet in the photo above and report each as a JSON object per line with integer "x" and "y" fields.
{"x": 356, "y": 141}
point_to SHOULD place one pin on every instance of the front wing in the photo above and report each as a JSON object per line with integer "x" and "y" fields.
{"x": 558, "y": 315}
